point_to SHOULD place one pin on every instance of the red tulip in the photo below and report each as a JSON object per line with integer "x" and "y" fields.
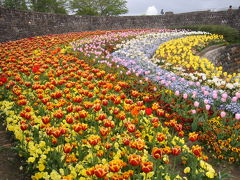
{"x": 35, "y": 68}
{"x": 157, "y": 153}
{"x": 148, "y": 111}
{"x": 147, "y": 167}
{"x": 161, "y": 137}
{"x": 193, "y": 136}
{"x": 46, "y": 119}
{"x": 176, "y": 150}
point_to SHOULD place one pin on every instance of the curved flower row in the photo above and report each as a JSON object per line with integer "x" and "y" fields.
{"x": 136, "y": 56}
{"x": 76, "y": 115}
{"x": 179, "y": 52}
{"x": 163, "y": 74}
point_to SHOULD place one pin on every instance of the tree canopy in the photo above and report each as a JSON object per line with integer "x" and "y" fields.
{"x": 99, "y": 7}
{"x": 16, "y": 4}
{"x": 52, "y": 6}
{"x": 79, "y": 7}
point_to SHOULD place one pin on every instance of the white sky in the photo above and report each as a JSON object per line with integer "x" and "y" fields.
{"x": 140, "y": 7}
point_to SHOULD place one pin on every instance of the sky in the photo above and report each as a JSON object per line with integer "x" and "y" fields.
{"x": 153, "y": 7}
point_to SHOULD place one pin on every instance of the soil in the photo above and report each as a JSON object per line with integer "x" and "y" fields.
{"x": 9, "y": 161}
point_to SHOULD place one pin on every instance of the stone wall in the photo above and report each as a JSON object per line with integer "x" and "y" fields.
{"x": 226, "y": 56}
{"x": 230, "y": 58}
{"x": 15, "y": 24}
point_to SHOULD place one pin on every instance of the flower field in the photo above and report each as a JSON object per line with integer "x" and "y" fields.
{"x": 130, "y": 104}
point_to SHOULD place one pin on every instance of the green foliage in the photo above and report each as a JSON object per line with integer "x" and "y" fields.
{"x": 52, "y": 6}
{"x": 99, "y": 7}
{"x": 230, "y": 34}
{"x": 16, "y": 4}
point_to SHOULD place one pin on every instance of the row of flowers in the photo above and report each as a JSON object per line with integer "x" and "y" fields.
{"x": 82, "y": 115}
{"x": 134, "y": 54}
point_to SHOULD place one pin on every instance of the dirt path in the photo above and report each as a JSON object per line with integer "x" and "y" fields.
{"x": 9, "y": 161}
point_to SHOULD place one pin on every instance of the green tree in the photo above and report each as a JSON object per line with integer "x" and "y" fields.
{"x": 99, "y": 7}
{"x": 51, "y": 6}
{"x": 15, "y": 4}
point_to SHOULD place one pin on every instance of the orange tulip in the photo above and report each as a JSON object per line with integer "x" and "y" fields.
{"x": 131, "y": 128}
{"x": 197, "y": 150}
{"x": 94, "y": 140}
{"x": 100, "y": 170}
{"x": 134, "y": 159}
{"x": 157, "y": 153}
{"x": 193, "y": 136}
{"x": 90, "y": 171}
{"x": 104, "y": 131}
{"x": 161, "y": 137}
{"x": 46, "y": 119}
{"x": 176, "y": 150}
{"x": 115, "y": 165}
{"x": 147, "y": 167}
{"x": 83, "y": 114}
{"x": 67, "y": 148}
{"x": 69, "y": 119}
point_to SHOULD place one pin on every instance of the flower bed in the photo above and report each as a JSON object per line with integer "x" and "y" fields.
{"x": 93, "y": 105}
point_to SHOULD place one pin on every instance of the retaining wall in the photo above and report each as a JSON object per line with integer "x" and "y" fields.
{"x": 15, "y": 24}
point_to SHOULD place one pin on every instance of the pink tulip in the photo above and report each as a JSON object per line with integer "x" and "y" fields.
{"x": 224, "y": 95}
{"x": 203, "y": 88}
{"x": 177, "y": 93}
{"x": 234, "y": 99}
{"x": 223, "y": 114}
{"x": 205, "y": 93}
{"x": 191, "y": 83}
{"x": 185, "y": 96}
{"x": 237, "y": 116}
{"x": 208, "y": 107}
{"x": 194, "y": 93}
{"x": 238, "y": 94}
{"x": 193, "y": 111}
{"x": 196, "y": 104}
{"x": 198, "y": 84}
{"x": 206, "y": 101}
{"x": 215, "y": 95}
{"x": 223, "y": 99}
